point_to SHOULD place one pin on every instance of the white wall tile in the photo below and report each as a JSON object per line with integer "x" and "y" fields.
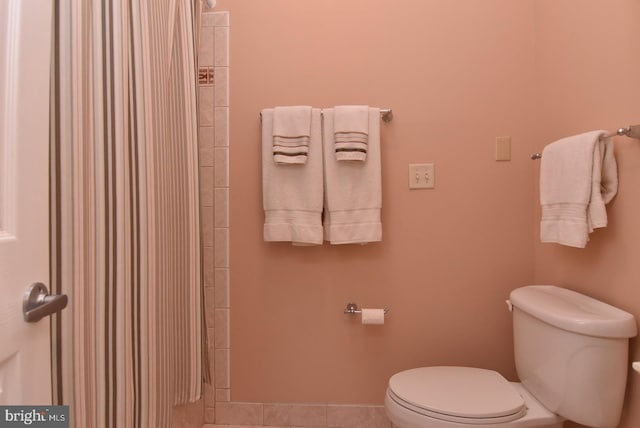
{"x": 221, "y": 56}
{"x": 221, "y": 86}
{"x": 222, "y": 126}
{"x": 206, "y": 105}
{"x": 207, "y": 47}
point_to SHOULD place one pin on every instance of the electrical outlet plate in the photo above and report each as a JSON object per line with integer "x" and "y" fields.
{"x": 421, "y": 176}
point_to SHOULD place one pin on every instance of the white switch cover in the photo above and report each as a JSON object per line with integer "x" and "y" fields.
{"x": 421, "y": 176}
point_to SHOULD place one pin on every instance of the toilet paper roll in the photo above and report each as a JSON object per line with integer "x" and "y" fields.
{"x": 373, "y": 316}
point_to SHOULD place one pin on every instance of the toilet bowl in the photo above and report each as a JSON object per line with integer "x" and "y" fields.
{"x": 463, "y": 397}
{"x": 568, "y": 349}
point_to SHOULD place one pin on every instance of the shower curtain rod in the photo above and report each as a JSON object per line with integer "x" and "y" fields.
{"x": 385, "y": 113}
{"x": 631, "y": 131}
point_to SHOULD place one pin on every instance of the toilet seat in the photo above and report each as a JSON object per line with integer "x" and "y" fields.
{"x": 457, "y": 394}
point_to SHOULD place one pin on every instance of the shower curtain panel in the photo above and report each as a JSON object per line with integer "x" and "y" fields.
{"x": 125, "y": 235}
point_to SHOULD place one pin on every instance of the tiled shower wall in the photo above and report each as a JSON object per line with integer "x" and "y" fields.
{"x": 213, "y": 62}
{"x": 213, "y": 87}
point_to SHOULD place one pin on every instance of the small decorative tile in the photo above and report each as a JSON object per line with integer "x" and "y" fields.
{"x": 205, "y": 145}
{"x": 208, "y": 268}
{"x": 202, "y": 75}
{"x": 221, "y": 247}
{"x": 221, "y": 138}
{"x": 207, "y": 18}
{"x": 239, "y": 413}
{"x": 209, "y": 309}
{"x": 223, "y": 394}
{"x": 348, "y": 416}
{"x": 206, "y": 50}
{"x": 221, "y": 160}
{"x": 222, "y": 288}
{"x": 211, "y": 360}
{"x": 206, "y": 221}
{"x": 302, "y": 415}
{"x": 211, "y": 333}
{"x": 221, "y": 43}
{"x": 222, "y": 328}
{"x": 209, "y": 395}
{"x": 206, "y": 75}
{"x": 222, "y": 369}
{"x": 209, "y": 415}
{"x": 205, "y": 105}
{"x": 221, "y": 19}
{"x": 188, "y": 415}
{"x": 206, "y": 186}
{"x": 221, "y": 87}
{"x": 221, "y": 206}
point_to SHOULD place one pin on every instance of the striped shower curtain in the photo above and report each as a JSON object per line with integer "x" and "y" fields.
{"x": 125, "y": 235}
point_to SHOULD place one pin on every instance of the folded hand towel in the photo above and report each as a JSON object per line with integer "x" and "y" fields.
{"x": 291, "y": 134}
{"x": 353, "y": 190}
{"x": 578, "y": 176}
{"x": 351, "y": 132}
{"x": 292, "y": 194}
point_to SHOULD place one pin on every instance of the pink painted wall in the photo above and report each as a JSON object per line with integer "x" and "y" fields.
{"x": 588, "y": 69}
{"x": 457, "y": 74}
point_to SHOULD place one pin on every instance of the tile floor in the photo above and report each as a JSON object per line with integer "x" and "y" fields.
{"x": 248, "y": 426}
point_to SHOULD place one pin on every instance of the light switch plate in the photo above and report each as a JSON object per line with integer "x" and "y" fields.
{"x": 421, "y": 176}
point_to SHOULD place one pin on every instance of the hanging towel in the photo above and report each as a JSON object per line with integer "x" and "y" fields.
{"x": 351, "y": 132}
{"x": 353, "y": 190}
{"x": 291, "y": 134}
{"x": 292, "y": 194}
{"x": 578, "y": 176}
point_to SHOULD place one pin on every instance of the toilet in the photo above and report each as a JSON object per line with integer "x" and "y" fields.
{"x": 571, "y": 355}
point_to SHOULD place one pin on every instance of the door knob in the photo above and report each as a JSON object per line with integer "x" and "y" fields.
{"x": 38, "y": 303}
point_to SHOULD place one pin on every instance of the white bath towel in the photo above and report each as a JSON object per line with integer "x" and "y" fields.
{"x": 578, "y": 176}
{"x": 353, "y": 190}
{"x": 351, "y": 132}
{"x": 291, "y": 134}
{"x": 293, "y": 194}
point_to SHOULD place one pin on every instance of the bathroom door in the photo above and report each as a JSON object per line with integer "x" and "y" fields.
{"x": 25, "y": 47}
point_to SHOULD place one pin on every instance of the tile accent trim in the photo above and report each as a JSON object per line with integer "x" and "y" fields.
{"x": 301, "y": 415}
{"x": 213, "y": 76}
{"x": 206, "y": 75}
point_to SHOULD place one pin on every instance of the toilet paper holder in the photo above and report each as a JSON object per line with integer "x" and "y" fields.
{"x": 352, "y": 309}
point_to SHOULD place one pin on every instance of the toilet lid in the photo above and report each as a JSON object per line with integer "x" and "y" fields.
{"x": 464, "y": 394}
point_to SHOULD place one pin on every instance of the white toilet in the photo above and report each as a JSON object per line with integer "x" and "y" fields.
{"x": 571, "y": 356}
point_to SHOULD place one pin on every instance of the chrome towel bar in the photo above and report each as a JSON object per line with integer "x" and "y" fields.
{"x": 632, "y": 131}
{"x": 385, "y": 113}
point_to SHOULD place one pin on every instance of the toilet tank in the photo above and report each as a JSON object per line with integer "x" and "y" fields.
{"x": 571, "y": 352}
